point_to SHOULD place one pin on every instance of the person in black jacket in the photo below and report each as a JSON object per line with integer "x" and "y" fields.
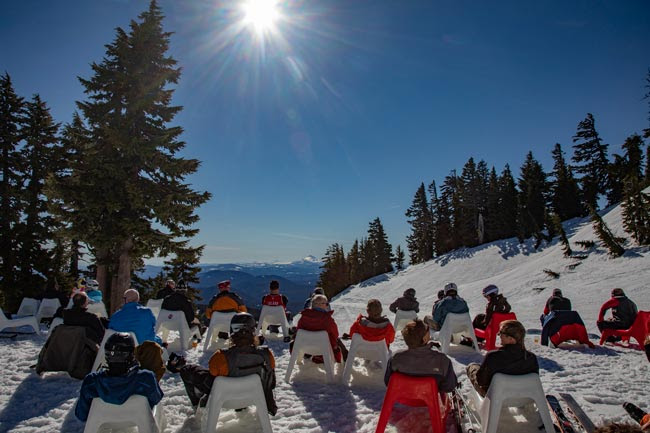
{"x": 556, "y": 302}
{"x": 178, "y": 301}
{"x": 624, "y": 311}
{"x": 170, "y": 286}
{"x": 78, "y": 316}
{"x": 512, "y": 358}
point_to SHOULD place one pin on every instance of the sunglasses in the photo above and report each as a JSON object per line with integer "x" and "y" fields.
{"x": 505, "y": 334}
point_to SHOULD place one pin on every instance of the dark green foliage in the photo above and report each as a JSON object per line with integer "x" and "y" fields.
{"x": 184, "y": 265}
{"x": 493, "y": 227}
{"x": 558, "y": 228}
{"x": 532, "y": 197}
{"x": 586, "y": 244}
{"x": 551, "y": 273}
{"x": 11, "y": 167}
{"x": 420, "y": 241}
{"x": 636, "y": 211}
{"x": 590, "y": 157}
{"x": 563, "y": 188}
{"x": 399, "y": 258}
{"x": 127, "y": 196}
{"x": 447, "y": 215}
{"x": 334, "y": 274}
{"x": 625, "y": 168}
{"x": 381, "y": 252}
{"x": 605, "y": 235}
{"x": 508, "y": 209}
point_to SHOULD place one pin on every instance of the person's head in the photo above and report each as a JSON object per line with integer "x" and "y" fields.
{"x": 131, "y": 295}
{"x": 557, "y": 292}
{"x": 181, "y": 286}
{"x": 451, "y": 289}
{"x": 224, "y": 286}
{"x": 120, "y": 353}
{"x": 374, "y": 309}
{"x": 170, "y": 284}
{"x": 512, "y": 332}
{"x": 409, "y": 293}
{"x": 274, "y": 287}
{"x": 318, "y": 291}
{"x": 80, "y": 300}
{"x": 92, "y": 285}
{"x": 618, "y": 428}
{"x": 490, "y": 290}
{"x": 242, "y": 330}
{"x": 617, "y": 292}
{"x": 441, "y": 294}
{"x": 416, "y": 334}
{"x": 320, "y": 302}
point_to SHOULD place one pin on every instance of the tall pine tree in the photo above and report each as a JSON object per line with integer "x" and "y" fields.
{"x": 590, "y": 157}
{"x": 563, "y": 188}
{"x": 382, "y": 251}
{"x": 532, "y": 197}
{"x": 420, "y": 241}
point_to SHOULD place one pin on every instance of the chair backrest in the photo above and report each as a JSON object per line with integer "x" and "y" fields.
{"x": 3, "y": 318}
{"x": 236, "y": 393}
{"x": 273, "y": 314}
{"x": 97, "y": 308}
{"x": 28, "y": 307}
{"x": 219, "y": 322}
{"x": 402, "y": 317}
{"x": 493, "y": 328}
{"x": 133, "y": 412}
{"x": 456, "y": 324}
{"x": 371, "y": 350}
{"x": 314, "y": 342}
{"x": 48, "y": 308}
{"x": 412, "y": 391}
{"x": 155, "y": 305}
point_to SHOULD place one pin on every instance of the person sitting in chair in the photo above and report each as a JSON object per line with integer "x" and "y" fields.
{"x": 497, "y": 303}
{"x": 624, "y": 312}
{"x": 243, "y": 358}
{"x": 121, "y": 380}
{"x": 511, "y": 358}
{"x": 421, "y": 359}
{"x": 406, "y": 302}
{"x": 374, "y": 326}
{"x": 79, "y": 316}
{"x": 451, "y": 303}
{"x": 133, "y": 317}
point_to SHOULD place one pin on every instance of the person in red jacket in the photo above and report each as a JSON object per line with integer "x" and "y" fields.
{"x": 373, "y": 327}
{"x": 319, "y": 318}
{"x": 274, "y": 299}
{"x": 624, "y": 312}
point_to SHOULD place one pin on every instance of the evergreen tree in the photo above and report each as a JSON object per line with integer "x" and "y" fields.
{"x": 646, "y": 132}
{"x": 448, "y": 214}
{"x": 508, "y": 208}
{"x": 605, "y": 235}
{"x": 36, "y": 233}
{"x": 557, "y": 224}
{"x": 532, "y": 197}
{"x": 433, "y": 211}
{"x": 382, "y": 251}
{"x": 636, "y": 211}
{"x": 140, "y": 205}
{"x": 399, "y": 258}
{"x": 11, "y": 167}
{"x": 625, "y": 167}
{"x": 492, "y": 210}
{"x": 467, "y": 222}
{"x": 184, "y": 265}
{"x": 334, "y": 275}
{"x": 355, "y": 270}
{"x": 590, "y": 156}
{"x": 420, "y": 241}
{"x": 366, "y": 251}
{"x": 564, "y": 189}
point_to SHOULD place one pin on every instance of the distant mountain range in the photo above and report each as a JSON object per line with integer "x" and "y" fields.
{"x": 251, "y": 280}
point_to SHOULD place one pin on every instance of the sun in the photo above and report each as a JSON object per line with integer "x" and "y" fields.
{"x": 260, "y": 14}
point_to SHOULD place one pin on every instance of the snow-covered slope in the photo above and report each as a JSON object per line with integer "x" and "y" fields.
{"x": 601, "y": 379}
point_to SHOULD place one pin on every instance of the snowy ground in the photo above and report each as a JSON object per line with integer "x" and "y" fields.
{"x": 601, "y": 379}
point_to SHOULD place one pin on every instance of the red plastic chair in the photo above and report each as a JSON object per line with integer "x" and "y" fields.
{"x": 574, "y": 331}
{"x": 413, "y": 391}
{"x": 639, "y": 329}
{"x": 490, "y": 333}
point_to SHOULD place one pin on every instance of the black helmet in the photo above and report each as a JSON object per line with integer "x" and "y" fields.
{"x": 120, "y": 348}
{"x": 242, "y": 321}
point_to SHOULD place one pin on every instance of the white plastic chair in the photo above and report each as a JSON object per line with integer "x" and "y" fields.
{"x": 47, "y": 309}
{"x": 97, "y": 308}
{"x": 16, "y": 323}
{"x": 372, "y": 350}
{"x": 100, "y": 359}
{"x": 403, "y": 317}
{"x": 219, "y": 322}
{"x": 175, "y": 321}
{"x": 455, "y": 326}
{"x": 28, "y": 307}
{"x": 314, "y": 343}
{"x": 55, "y": 322}
{"x": 513, "y": 391}
{"x": 235, "y": 393}
{"x": 133, "y": 412}
{"x": 273, "y": 315}
{"x": 155, "y": 305}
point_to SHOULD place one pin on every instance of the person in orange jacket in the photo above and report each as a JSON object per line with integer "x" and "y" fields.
{"x": 244, "y": 357}
{"x": 374, "y": 326}
{"x": 225, "y": 301}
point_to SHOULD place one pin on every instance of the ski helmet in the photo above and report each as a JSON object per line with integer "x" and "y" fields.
{"x": 120, "y": 349}
{"x": 488, "y": 290}
{"x": 242, "y": 321}
{"x": 93, "y": 285}
{"x": 451, "y": 286}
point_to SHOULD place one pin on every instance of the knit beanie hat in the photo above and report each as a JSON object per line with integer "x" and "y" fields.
{"x": 557, "y": 292}
{"x": 618, "y": 292}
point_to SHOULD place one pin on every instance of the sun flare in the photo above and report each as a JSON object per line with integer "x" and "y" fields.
{"x": 260, "y": 14}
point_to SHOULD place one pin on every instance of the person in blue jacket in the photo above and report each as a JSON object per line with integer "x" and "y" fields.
{"x": 451, "y": 303}
{"x": 121, "y": 380}
{"x": 133, "y": 317}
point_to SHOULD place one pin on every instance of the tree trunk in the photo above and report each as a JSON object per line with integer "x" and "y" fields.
{"x": 103, "y": 277}
{"x": 122, "y": 276}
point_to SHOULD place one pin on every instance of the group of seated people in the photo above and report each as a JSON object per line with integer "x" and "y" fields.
{"x": 135, "y": 369}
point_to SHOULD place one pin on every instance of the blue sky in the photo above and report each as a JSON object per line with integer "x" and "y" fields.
{"x": 337, "y": 117}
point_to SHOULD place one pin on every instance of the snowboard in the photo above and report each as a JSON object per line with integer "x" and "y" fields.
{"x": 561, "y": 421}
{"x": 576, "y": 411}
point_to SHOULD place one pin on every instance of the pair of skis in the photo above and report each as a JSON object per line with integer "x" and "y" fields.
{"x": 562, "y": 422}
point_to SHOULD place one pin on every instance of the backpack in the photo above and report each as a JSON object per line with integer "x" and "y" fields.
{"x": 244, "y": 361}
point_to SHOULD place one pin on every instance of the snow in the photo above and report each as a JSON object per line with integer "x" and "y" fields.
{"x": 601, "y": 379}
